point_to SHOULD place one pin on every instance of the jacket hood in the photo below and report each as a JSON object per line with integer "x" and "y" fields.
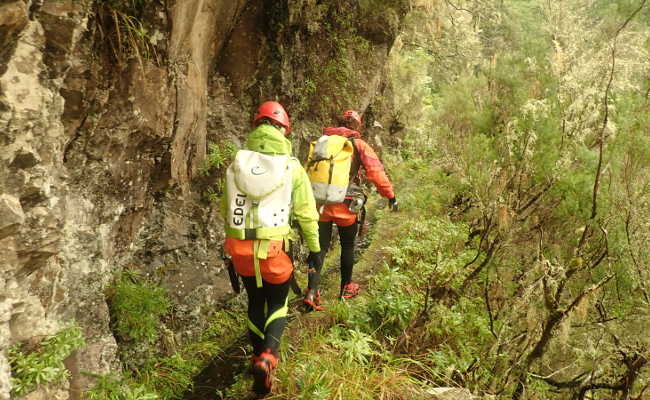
{"x": 269, "y": 140}
{"x": 341, "y": 131}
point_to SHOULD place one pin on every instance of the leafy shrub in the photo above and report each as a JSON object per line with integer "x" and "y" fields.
{"x": 354, "y": 345}
{"x": 314, "y": 382}
{"x": 170, "y": 376}
{"x": 44, "y": 364}
{"x": 137, "y": 308}
{"x": 218, "y": 157}
{"x": 112, "y": 388}
{"x": 391, "y": 307}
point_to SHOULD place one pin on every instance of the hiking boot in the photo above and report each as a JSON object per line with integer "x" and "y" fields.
{"x": 262, "y": 369}
{"x": 312, "y": 300}
{"x": 350, "y": 290}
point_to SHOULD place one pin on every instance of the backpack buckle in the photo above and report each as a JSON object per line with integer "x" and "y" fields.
{"x": 250, "y": 234}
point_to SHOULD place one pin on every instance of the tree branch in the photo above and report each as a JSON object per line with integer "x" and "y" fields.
{"x": 450, "y": 4}
{"x": 484, "y": 235}
{"x": 573, "y": 383}
{"x": 488, "y": 258}
{"x": 488, "y": 306}
{"x": 534, "y": 198}
{"x": 634, "y": 365}
{"x": 555, "y": 317}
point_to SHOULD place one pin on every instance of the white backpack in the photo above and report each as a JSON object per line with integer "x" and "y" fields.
{"x": 258, "y": 195}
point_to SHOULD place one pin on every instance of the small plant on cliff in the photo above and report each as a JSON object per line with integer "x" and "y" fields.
{"x": 216, "y": 161}
{"x": 218, "y": 157}
{"x": 137, "y": 307}
{"x": 120, "y": 23}
{"x": 32, "y": 366}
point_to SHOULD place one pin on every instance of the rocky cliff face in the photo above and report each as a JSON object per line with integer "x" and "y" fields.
{"x": 104, "y": 128}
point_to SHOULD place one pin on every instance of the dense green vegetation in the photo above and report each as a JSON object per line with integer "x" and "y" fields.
{"x": 518, "y": 266}
{"x": 540, "y": 126}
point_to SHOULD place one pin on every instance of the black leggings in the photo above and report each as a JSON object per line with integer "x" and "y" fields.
{"x": 347, "y": 236}
{"x": 262, "y": 303}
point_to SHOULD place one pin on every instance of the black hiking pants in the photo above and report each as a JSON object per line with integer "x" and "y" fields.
{"x": 267, "y": 314}
{"x": 347, "y": 236}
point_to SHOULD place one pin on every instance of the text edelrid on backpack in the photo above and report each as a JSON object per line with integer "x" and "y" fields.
{"x": 238, "y": 212}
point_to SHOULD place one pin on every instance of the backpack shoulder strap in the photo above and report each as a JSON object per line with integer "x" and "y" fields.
{"x": 356, "y": 162}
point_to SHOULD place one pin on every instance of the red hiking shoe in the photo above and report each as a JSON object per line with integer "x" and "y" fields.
{"x": 350, "y": 290}
{"x": 262, "y": 369}
{"x": 312, "y": 300}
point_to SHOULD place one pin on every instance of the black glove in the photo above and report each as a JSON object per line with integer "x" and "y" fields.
{"x": 392, "y": 204}
{"x": 314, "y": 262}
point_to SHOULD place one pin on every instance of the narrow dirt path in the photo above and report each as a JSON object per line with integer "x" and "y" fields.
{"x": 220, "y": 372}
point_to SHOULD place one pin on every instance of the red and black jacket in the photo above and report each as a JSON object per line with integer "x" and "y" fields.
{"x": 365, "y": 157}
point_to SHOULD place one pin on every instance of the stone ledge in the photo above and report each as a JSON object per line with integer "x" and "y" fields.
{"x": 11, "y": 215}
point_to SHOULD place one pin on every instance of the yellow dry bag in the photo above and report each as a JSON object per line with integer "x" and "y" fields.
{"x": 328, "y": 167}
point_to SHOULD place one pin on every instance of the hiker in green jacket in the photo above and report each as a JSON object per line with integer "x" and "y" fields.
{"x": 267, "y": 188}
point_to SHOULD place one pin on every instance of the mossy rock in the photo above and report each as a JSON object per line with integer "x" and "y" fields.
{"x": 380, "y": 20}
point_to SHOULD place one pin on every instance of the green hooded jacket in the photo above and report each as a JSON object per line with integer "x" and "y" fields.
{"x": 269, "y": 140}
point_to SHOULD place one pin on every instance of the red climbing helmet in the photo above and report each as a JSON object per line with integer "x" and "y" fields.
{"x": 352, "y": 115}
{"x": 275, "y": 112}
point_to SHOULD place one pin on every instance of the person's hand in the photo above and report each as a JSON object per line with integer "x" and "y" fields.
{"x": 314, "y": 262}
{"x": 392, "y": 204}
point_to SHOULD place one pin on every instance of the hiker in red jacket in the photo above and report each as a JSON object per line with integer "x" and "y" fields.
{"x": 345, "y": 215}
